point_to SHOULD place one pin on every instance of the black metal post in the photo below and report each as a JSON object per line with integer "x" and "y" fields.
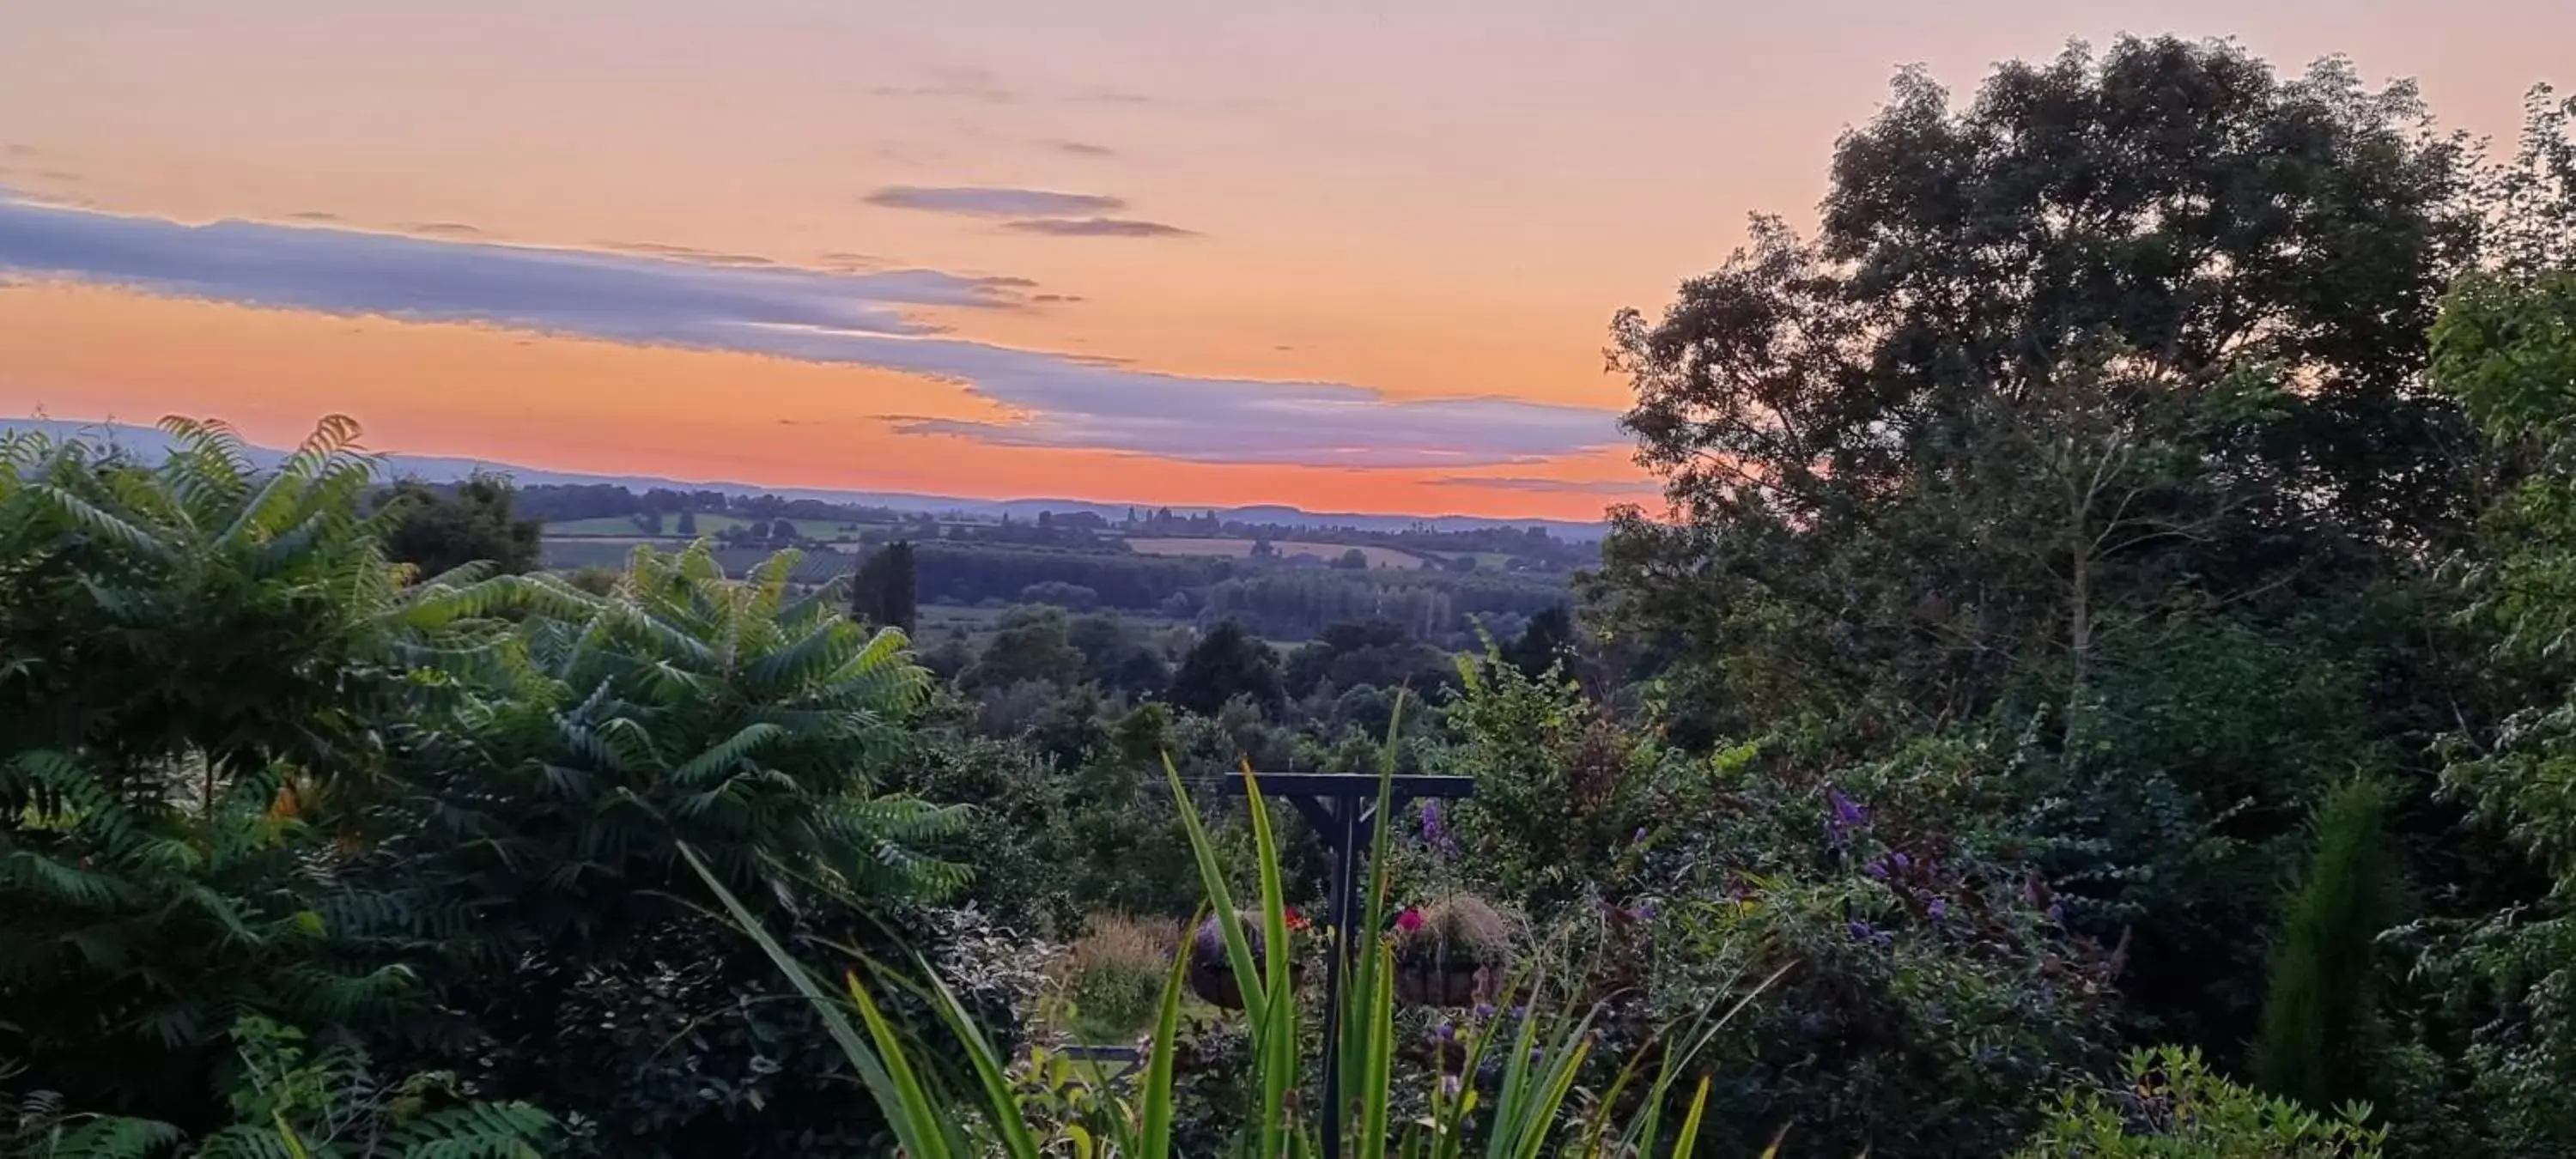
{"x": 1345, "y": 916}
{"x": 1336, "y": 805}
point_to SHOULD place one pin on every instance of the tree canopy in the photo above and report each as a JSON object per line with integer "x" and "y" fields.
{"x": 440, "y": 529}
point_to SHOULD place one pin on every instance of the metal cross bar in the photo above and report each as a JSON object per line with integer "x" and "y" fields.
{"x": 1338, "y": 805}
{"x": 1127, "y": 1058}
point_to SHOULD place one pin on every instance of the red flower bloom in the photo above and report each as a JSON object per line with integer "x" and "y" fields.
{"x": 1410, "y": 920}
{"x": 1297, "y": 922}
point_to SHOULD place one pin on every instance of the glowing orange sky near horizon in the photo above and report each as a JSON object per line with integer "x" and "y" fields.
{"x": 1430, "y": 200}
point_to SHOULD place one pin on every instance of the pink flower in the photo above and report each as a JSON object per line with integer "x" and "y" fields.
{"x": 1410, "y": 920}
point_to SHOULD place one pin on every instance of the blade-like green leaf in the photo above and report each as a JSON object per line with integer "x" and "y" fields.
{"x": 1688, "y": 1140}
{"x": 1154, "y": 1139}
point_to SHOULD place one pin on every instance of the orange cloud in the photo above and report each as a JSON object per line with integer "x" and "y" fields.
{"x": 598, "y": 407}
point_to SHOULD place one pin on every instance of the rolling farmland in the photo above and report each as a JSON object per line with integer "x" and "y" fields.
{"x": 1242, "y": 549}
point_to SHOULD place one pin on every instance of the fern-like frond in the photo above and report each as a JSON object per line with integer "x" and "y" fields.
{"x": 98, "y": 521}
{"x": 727, "y": 753}
{"x": 100, "y": 1137}
{"x": 475, "y": 1131}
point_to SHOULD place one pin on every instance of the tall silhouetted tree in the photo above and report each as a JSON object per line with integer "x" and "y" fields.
{"x": 2088, "y": 365}
{"x": 1548, "y": 639}
{"x": 688, "y": 523}
{"x": 887, "y": 589}
{"x": 2134, "y": 254}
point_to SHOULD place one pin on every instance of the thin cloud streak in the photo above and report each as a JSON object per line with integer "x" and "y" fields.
{"x": 1053, "y": 400}
{"x": 988, "y": 201}
{"x": 1097, "y": 227}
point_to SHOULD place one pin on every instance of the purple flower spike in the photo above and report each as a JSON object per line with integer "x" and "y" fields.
{"x": 1645, "y": 912}
{"x": 1876, "y": 869}
{"x": 1445, "y": 1032}
{"x": 1640, "y": 838}
{"x": 1483, "y": 1011}
{"x": 1435, "y": 830}
{"x": 1939, "y": 909}
{"x": 1900, "y": 861}
{"x": 2057, "y": 913}
{"x": 1847, "y": 813}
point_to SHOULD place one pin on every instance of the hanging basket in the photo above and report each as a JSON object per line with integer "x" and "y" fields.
{"x": 1214, "y": 983}
{"x": 1211, "y": 972}
{"x": 1436, "y": 983}
{"x": 1454, "y": 953}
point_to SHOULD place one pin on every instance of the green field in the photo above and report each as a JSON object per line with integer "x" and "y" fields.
{"x": 621, "y": 527}
{"x": 1242, "y": 549}
{"x": 816, "y": 565}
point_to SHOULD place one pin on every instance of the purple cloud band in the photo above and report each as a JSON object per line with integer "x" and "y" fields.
{"x": 862, "y": 319}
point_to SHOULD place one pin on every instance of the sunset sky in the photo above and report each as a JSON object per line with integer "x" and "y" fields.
{"x": 1347, "y": 256}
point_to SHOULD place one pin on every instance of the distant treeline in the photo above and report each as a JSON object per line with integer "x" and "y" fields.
{"x": 1296, "y": 605}
{"x": 972, "y": 573}
{"x": 566, "y": 502}
{"x": 1279, "y": 603}
{"x": 1533, "y": 545}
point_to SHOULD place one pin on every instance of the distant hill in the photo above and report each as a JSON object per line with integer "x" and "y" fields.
{"x": 150, "y": 442}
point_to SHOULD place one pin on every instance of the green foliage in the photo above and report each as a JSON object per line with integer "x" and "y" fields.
{"x": 1295, "y": 603}
{"x": 1117, "y": 656}
{"x": 1033, "y": 643}
{"x": 1983, "y": 468}
{"x": 1227, "y": 663}
{"x": 250, "y": 767}
{"x": 2321, "y": 1034}
{"x": 192, "y": 659}
{"x": 199, "y": 606}
{"x": 1520, "y": 1109}
{"x": 1558, "y": 784}
{"x": 750, "y": 722}
{"x": 1924, "y": 459}
{"x": 288, "y": 1101}
{"x": 2530, "y": 201}
{"x": 1376, "y": 653}
{"x": 2173, "y": 1106}
{"x": 1931, "y": 983}
{"x": 439, "y": 530}
{"x": 2506, "y": 347}
{"x": 136, "y": 934}
{"x": 1546, "y": 643}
